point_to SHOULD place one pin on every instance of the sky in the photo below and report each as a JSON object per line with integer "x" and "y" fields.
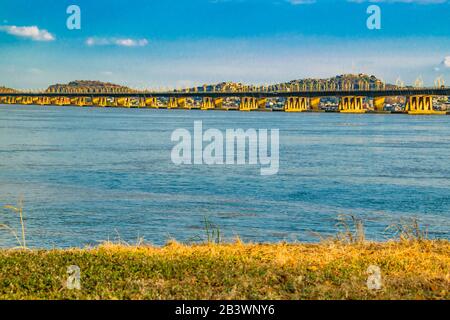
{"x": 177, "y": 43}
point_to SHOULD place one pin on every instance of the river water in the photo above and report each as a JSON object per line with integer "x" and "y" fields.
{"x": 89, "y": 174}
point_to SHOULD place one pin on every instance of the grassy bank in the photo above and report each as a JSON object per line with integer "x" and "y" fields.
{"x": 330, "y": 270}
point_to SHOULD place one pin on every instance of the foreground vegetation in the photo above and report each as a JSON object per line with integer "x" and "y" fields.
{"x": 343, "y": 267}
{"x": 416, "y": 269}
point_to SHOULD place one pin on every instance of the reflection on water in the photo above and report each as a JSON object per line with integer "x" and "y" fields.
{"x": 89, "y": 175}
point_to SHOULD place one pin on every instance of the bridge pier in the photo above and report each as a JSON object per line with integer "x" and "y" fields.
{"x": 80, "y": 102}
{"x": 248, "y": 104}
{"x": 181, "y": 103}
{"x": 27, "y": 100}
{"x": 173, "y": 103}
{"x": 141, "y": 103}
{"x": 11, "y": 100}
{"x": 314, "y": 104}
{"x": 152, "y": 102}
{"x": 378, "y": 104}
{"x": 218, "y": 103}
{"x": 252, "y": 104}
{"x": 421, "y": 105}
{"x": 209, "y": 103}
{"x": 42, "y": 101}
{"x": 60, "y": 101}
{"x": 21, "y": 100}
{"x": 297, "y": 104}
{"x": 123, "y": 102}
{"x": 351, "y": 104}
{"x": 100, "y": 102}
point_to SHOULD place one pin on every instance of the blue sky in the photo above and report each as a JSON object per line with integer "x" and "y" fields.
{"x": 173, "y": 43}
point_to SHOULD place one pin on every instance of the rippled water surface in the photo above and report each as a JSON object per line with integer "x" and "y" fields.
{"x": 89, "y": 175}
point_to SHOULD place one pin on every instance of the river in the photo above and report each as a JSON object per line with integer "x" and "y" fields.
{"x": 90, "y": 174}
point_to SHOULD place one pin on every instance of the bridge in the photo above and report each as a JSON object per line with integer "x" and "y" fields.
{"x": 418, "y": 100}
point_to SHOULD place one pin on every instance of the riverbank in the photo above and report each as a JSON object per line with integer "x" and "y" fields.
{"x": 330, "y": 270}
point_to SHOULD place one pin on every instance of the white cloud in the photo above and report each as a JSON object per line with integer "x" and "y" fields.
{"x": 123, "y": 42}
{"x": 34, "y": 71}
{"x": 297, "y": 2}
{"x": 446, "y": 62}
{"x": 30, "y": 32}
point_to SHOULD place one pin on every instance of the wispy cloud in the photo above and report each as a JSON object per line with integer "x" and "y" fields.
{"x": 122, "y": 42}
{"x": 446, "y": 62}
{"x": 29, "y": 32}
{"x": 298, "y": 2}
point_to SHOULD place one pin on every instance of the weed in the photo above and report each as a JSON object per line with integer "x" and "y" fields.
{"x": 17, "y": 209}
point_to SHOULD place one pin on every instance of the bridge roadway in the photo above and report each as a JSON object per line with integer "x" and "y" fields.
{"x": 254, "y": 94}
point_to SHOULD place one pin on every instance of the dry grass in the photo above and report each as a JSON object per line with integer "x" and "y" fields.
{"x": 330, "y": 270}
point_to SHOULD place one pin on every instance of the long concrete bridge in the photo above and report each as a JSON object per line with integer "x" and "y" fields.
{"x": 418, "y": 100}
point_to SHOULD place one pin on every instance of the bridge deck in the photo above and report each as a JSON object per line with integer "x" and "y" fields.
{"x": 255, "y": 94}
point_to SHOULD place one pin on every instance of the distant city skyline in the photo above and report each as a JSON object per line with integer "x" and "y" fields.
{"x": 149, "y": 44}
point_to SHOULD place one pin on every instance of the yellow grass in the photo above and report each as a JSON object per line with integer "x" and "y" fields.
{"x": 330, "y": 270}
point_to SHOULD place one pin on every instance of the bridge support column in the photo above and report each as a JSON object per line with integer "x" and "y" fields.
{"x": 24, "y": 100}
{"x": 80, "y": 102}
{"x": 77, "y": 101}
{"x": 11, "y": 100}
{"x": 21, "y": 100}
{"x": 27, "y": 100}
{"x": 61, "y": 101}
{"x": 42, "y": 101}
{"x": 245, "y": 104}
{"x": 152, "y": 102}
{"x": 123, "y": 102}
{"x": 218, "y": 103}
{"x": 297, "y": 104}
{"x": 208, "y": 103}
{"x": 183, "y": 103}
{"x": 378, "y": 104}
{"x": 74, "y": 101}
{"x": 351, "y": 104}
{"x": 141, "y": 103}
{"x": 314, "y": 104}
{"x": 421, "y": 105}
{"x": 252, "y": 104}
{"x": 172, "y": 104}
{"x": 261, "y": 104}
{"x": 100, "y": 101}
{"x": 248, "y": 104}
